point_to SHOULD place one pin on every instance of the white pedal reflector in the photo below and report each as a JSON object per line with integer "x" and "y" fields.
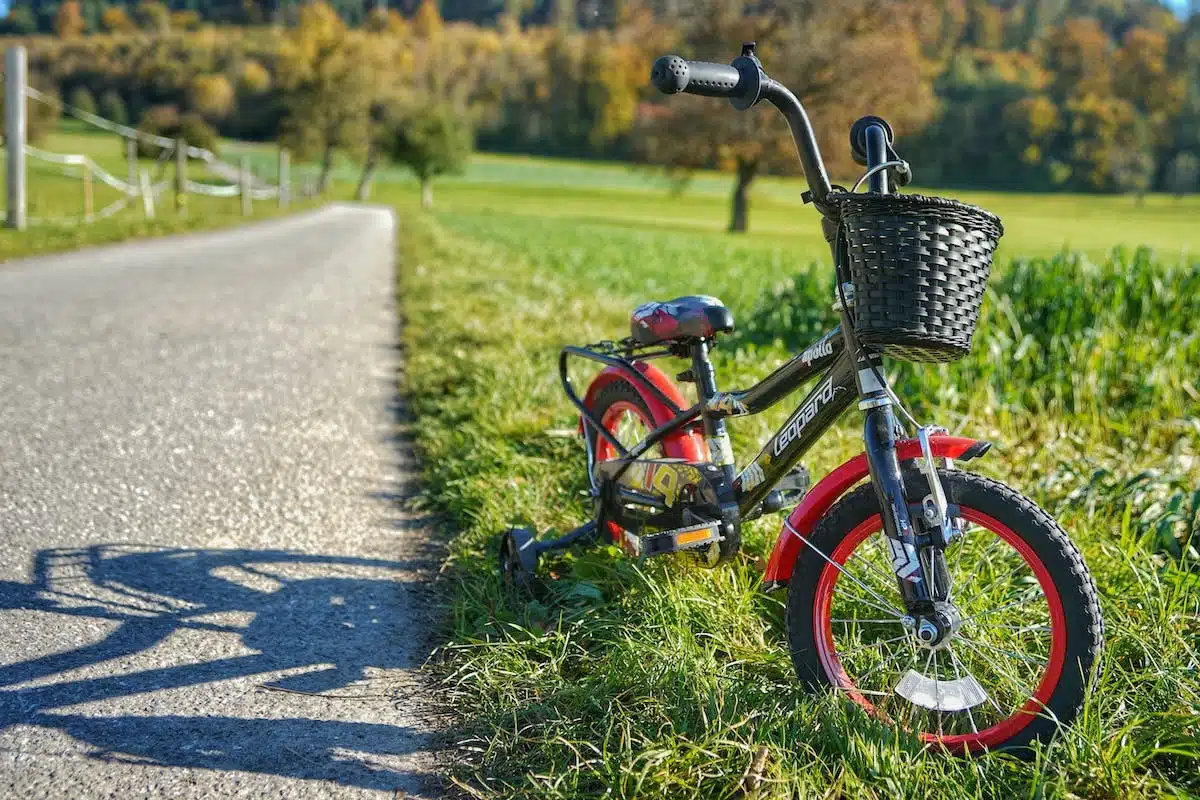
{"x": 956, "y": 695}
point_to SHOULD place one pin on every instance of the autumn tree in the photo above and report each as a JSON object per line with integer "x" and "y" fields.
{"x": 875, "y": 68}
{"x": 68, "y": 20}
{"x": 153, "y": 16}
{"x": 427, "y": 22}
{"x": 327, "y": 87}
{"x": 116, "y": 20}
{"x": 211, "y": 96}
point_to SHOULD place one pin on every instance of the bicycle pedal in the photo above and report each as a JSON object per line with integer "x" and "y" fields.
{"x": 672, "y": 541}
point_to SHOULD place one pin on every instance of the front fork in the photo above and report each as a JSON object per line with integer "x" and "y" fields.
{"x": 921, "y": 584}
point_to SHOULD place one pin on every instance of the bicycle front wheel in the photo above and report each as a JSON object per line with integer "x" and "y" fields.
{"x": 1024, "y": 625}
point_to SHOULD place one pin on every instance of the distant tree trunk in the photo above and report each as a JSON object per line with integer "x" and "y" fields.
{"x": 426, "y": 192}
{"x": 739, "y": 221}
{"x": 326, "y": 168}
{"x": 363, "y": 192}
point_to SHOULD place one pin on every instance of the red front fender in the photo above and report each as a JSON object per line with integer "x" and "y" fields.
{"x": 686, "y": 444}
{"x": 821, "y": 497}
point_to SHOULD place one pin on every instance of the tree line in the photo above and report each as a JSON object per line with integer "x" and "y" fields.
{"x": 1084, "y": 95}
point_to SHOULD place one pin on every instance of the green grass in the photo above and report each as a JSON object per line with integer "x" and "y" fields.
{"x": 58, "y": 199}
{"x": 660, "y": 679}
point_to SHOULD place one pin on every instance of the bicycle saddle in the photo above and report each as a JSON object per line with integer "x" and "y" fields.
{"x": 690, "y": 317}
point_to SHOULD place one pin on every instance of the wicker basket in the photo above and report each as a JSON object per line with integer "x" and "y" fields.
{"x": 919, "y": 266}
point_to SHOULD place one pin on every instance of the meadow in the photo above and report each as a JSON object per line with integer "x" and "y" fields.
{"x": 659, "y": 679}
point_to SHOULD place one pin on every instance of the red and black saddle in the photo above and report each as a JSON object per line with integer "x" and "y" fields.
{"x": 690, "y": 317}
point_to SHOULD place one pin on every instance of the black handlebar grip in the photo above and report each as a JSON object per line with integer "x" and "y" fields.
{"x": 672, "y": 75}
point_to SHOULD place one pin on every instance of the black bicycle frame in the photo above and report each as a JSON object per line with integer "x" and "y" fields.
{"x": 843, "y": 374}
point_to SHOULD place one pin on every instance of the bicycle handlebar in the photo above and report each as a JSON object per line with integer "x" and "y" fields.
{"x": 672, "y": 75}
{"x": 745, "y": 83}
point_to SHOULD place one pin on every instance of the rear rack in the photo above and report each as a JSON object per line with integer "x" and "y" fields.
{"x": 623, "y": 355}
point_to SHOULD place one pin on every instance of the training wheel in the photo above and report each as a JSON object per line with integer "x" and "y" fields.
{"x": 518, "y": 557}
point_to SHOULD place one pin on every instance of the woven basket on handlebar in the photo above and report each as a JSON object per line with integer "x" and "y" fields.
{"x": 919, "y": 267}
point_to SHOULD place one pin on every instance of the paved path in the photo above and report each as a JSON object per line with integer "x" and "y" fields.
{"x": 201, "y": 540}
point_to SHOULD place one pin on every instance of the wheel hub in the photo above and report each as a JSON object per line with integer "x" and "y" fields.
{"x": 935, "y": 627}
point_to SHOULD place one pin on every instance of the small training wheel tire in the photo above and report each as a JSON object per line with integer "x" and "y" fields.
{"x": 518, "y": 557}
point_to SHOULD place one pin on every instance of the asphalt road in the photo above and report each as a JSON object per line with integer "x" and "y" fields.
{"x": 207, "y": 587}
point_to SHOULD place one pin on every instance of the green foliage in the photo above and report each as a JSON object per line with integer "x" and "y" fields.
{"x": 431, "y": 139}
{"x": 167, "y": 121}
{"x": 113, "y": 107}
{"x": 19, "y": 22}
{"x": 82, "y": 99}
{"x": 660, "y": 680}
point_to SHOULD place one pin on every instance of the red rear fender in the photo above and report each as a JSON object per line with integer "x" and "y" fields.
{"x": 685, "y": 444}
{"x": 821, "y": 497}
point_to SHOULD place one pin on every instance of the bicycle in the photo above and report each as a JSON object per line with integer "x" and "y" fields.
{"x": 939, "y": 600}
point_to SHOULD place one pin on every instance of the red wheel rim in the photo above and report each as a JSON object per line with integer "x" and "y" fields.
{"x": 605, "y": 451}
{"x": 990, "y": 736}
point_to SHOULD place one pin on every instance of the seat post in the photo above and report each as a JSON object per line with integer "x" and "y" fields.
{"x": 714, "y": 426}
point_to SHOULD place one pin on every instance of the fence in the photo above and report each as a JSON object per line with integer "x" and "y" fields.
{"x": 241, "y": 182}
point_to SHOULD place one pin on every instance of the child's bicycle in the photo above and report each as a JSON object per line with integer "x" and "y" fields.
{"x": 940, "y": 601}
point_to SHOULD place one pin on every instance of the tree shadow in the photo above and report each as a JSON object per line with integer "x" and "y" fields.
{"x": 330, "y": 621}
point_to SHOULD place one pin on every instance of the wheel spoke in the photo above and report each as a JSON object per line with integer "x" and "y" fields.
{"x": 996, "y": 581}
{"x": 957, "y": 675}
{"x": 886, "y": 606}
{"x": 870, "y": 646}
{"x": 1016, "y": 682}
{"x": 866, "y": 621}
{"x": 989, "y": 611}
{"x": 887, "y": 578}
{"x": 879, "y": 666}
{"x": 1040, "y": 662}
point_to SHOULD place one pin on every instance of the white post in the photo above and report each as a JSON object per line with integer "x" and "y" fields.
{"x": 246, "y": 186}
{"x": 147, "y": 194}
{"x": 285, "y": 177}
{"x": 14, "y": 134}
{"x": 131, "y": 158}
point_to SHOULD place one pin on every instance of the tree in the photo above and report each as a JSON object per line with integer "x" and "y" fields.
{"x": 19, "y": 22}
{"x": 153, "y": 16}
{"x": 82, "y": 99}
{"x": 68, "y": 20}
{"x": 112, "y": 107}
{"x": 876, "y": 68}
{"x": 1183, "y": 175}
{"x": 386, "y": 20}
{"x": 211, "y": 96}
{"x": 427, "y": 22}
{"x": 254, "y": 78}
{"x": 432, "y": 139}
{"x": 327, "y": 87}
{"x": 115, "y": 20}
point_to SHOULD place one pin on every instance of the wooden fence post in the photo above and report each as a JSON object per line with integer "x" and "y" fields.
{"x": 180, "y": 177}
{"x": 246, "y": 186}
{"x": 285, "y": 177}
{"x": 15, "y": 129}
{"x": 147, "y": 194}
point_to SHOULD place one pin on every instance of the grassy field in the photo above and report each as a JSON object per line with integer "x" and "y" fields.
{"x": 660, "y": 679}
{"x": 55, "y": 200}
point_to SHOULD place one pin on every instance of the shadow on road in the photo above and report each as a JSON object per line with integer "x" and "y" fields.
{"x": 328, "y": 620}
